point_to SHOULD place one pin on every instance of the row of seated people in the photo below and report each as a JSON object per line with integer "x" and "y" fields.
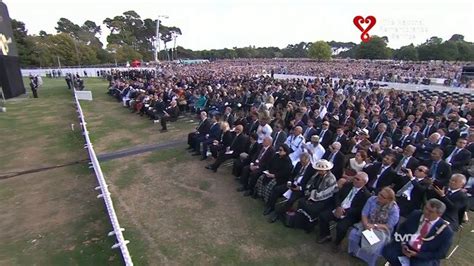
{"x": 303, "y": 186}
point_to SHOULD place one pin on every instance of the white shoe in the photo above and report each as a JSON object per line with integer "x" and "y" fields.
{"x": 156, "y": 121}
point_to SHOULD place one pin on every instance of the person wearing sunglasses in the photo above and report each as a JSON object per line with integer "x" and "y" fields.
{"x": 411, "y": 188}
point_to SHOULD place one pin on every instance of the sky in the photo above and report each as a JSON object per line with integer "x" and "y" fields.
{"x": 217, "y": 24}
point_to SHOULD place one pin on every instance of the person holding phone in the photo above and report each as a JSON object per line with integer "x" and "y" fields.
{"x": 453, "y": 197}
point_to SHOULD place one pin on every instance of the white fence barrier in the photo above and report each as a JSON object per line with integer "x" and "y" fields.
{"x": 103, "y": 187}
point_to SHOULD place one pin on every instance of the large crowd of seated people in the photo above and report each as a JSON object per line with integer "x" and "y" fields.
{"x": 375, "y": 70}
{"x": 346, "y": 158}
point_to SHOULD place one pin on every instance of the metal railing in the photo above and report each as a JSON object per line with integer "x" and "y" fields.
{"x": 103, "y": 187}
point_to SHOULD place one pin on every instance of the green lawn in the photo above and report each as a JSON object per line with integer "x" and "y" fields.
{"x": 51, "y": 217}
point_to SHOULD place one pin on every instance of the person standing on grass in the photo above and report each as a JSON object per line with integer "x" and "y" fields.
{"x": 34, "y": 86}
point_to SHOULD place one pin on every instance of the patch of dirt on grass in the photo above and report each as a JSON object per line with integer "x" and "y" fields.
{"x": 41, "y": 211}
{"x": 25, "y": 158}
{"x": 172, "y": 209}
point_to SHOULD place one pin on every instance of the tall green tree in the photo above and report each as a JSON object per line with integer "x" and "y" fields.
{"x": 408, "y": 53}
{"x": 69, "y": 27}
{"x": 375, "y": 48}
{"x": 24, "y": 45}
{"x": 320, "y": 50}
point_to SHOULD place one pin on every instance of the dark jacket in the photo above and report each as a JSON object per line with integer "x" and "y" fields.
{"x": 280, "y": 140}
{"x": 412, "y": 163}
{"x": 403, "y": 141}
{"x": 281, "y": 168}
{"x": 214, "y": 131}
{"x": 238, "y": 145}
{"x": 460, "y": 159}
{"x": 203, "y": 127}
{"x": 309, "y": 172}
{"x": 417, "y": 195}
{"x": 343, "y": 140}
{"x": 432, "y": 251}
{"x": 442, "y": 174}
{"x": 226, "y": 139}
{"x": 327, "y": 138}
{"x": 455, "y": 206}
{"x": 358, "y": 202}
{"x": 386, "y": 178}
{"x": 265, "y": 159}
{"x": 338, "y": 161}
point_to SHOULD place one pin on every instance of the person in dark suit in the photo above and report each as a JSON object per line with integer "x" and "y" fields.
{"x": 379, "y": 134}
{"x": 228, "y": 116}
{"x": 253, "y": 124}
{"x": 325, "y": 135}
{"x": 201, "y": 130}
{"x": 298, "y": 122}
{"x": 240, "y": 120}
{"x": 381, "y": 174}
{"x": 404, "y": 139}
{"x": 429, "y": 128}
{"x": 406, "y": 160}
{"x": 440, "y": 171}
{"x": 341, "y": 138}
{"x": 458, "y": 156}
{"x": 443, "y": 141}
{"x": 235, "y": 149}
{"x": 470, "y": 147}
{"x": 393, "y": 131}
{"x": 222, "y": 143}
{"x": 374, "y": 124}
{"x": 34, "y": 85}
{"x": 309, "y": 131}
{"x": 335, "y": 156}
{"x": 301, "y": 174}
{"x": 431, "y": 237}
{"x": 416, "y": 135}
{"x": 249, "y": 155}
{"x": 213, "y": 134}
{"x": 279, "y": 136}
{"x": 454, "y": 198}
{"x": 453, "y": 132}
{"x": 171, "y": 113}
{"x": 411, "y": 188}
{"x": 423, "y": 150}
{"x": 349, "y": 201}
{"x": 251, "y": 172}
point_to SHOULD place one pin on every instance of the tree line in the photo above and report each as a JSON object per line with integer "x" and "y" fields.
{"x": 132, "y": 37}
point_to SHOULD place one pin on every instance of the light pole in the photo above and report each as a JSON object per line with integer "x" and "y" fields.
{"x": 157, "y": 41}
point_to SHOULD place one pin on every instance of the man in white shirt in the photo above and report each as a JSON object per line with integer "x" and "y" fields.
{"x": 295, "y": 142}
{"x": 263, "y": 130}
{"x": 314, "y": 148}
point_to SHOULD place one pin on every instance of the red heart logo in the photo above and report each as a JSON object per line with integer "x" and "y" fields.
{"x": 358, "y": 20}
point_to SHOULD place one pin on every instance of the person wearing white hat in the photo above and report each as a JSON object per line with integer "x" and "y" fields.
{"x": 319, "y": 194}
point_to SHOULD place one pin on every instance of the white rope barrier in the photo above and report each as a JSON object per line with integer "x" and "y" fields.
{"x": 103, "y": 187}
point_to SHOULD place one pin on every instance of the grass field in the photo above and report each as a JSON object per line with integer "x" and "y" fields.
{"x": 174, "y": 211}
{"x": 51, "y": 217}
